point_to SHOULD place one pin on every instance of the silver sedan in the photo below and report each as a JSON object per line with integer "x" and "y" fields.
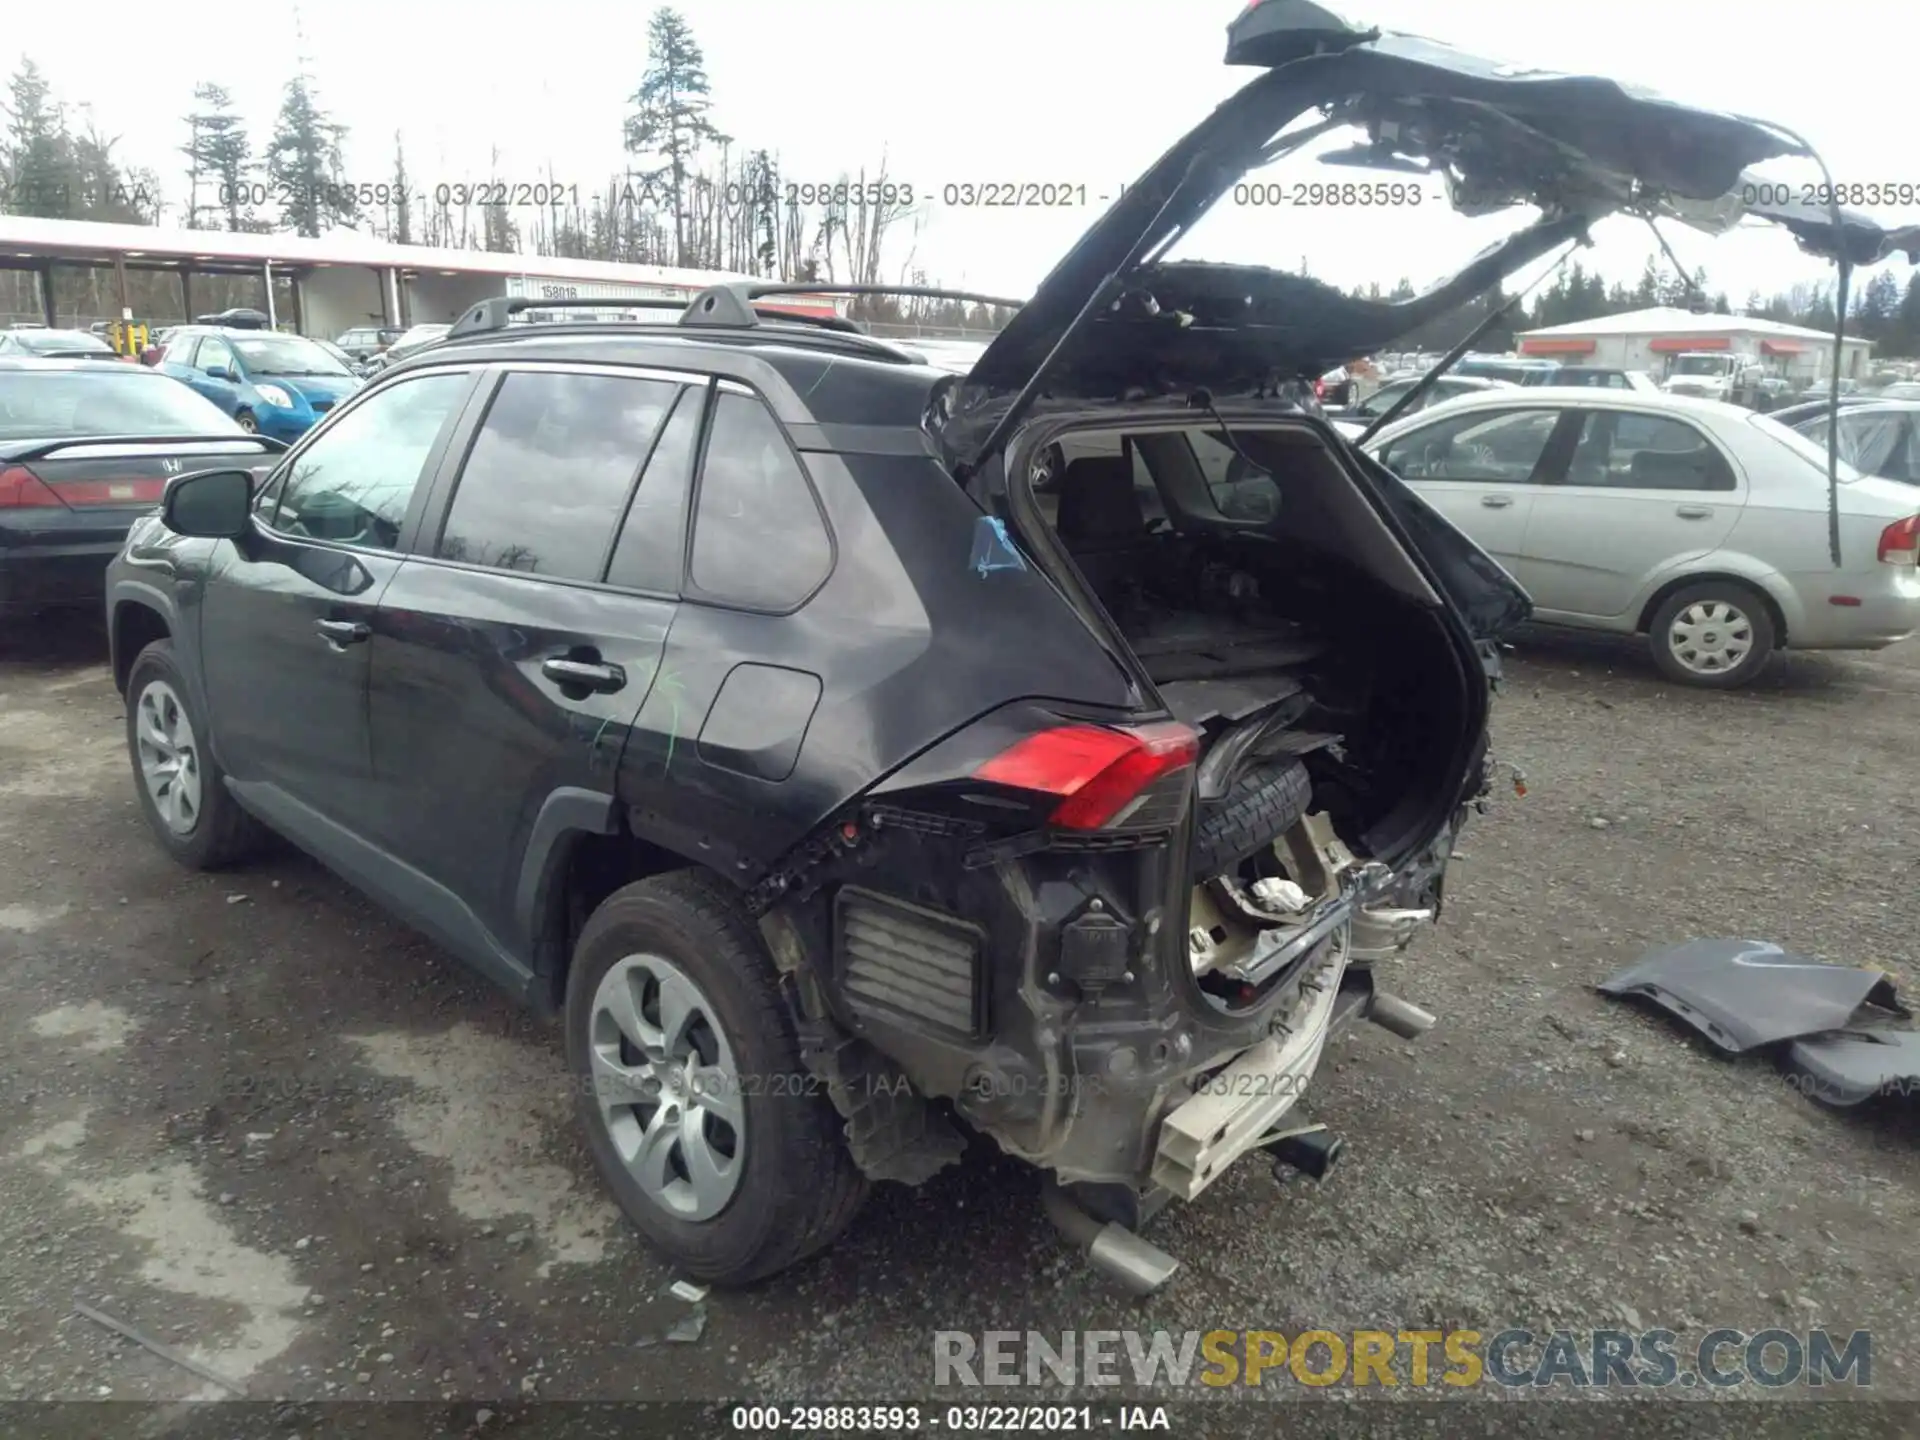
{"x": 1698, "y": 524}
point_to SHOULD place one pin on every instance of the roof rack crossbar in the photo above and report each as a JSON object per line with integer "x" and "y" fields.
{"x": 496, "y": 312}
{"x": 730, "y": 305}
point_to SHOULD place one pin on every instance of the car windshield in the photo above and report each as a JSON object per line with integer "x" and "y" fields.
{"x": 1814, "y": 453}
{"x": 1701, "y": 365}
{"x": 37, "y": 404}
{"x": 285, "y": 355}
{"x": 62, "y": 342}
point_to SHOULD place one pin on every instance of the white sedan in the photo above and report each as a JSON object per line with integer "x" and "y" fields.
{"x": 1699, "y": 524}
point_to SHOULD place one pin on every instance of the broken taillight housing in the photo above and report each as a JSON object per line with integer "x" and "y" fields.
{"x": 1107, "y": 777}
{"x": 1900, "y": 542}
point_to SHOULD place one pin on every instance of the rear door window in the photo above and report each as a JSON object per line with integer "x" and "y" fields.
{"x": 759, "y": 540}
{"x": 652, "y": 546}
{"x": 1622, "y": 450}
{"x": 550, "y": 470}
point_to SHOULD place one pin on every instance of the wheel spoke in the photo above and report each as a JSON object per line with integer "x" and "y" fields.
{"x": 150, "y": 731}
{"x": 709, "y": 1172}
{"x": 717, "y": 1092}
{"x": 650, "y": 1163}
{"x": 619, "y": 1001}
{"x": 618, "y": 1084}
{"x": 680, "y": 1006}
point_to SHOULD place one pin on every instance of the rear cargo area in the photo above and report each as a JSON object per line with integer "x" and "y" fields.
{"x": 1276, "y": 614}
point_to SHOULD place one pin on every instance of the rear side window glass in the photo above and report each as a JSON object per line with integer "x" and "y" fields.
{"x": 550, "y": 471}
{"x": 652, "y": 543}
{"x": 758, "y": 539}
{"x": 1627, "y": 451}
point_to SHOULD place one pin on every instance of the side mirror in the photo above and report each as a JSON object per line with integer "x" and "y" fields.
{"x": 218, "y": 372}
{"x": 209, "y": 505}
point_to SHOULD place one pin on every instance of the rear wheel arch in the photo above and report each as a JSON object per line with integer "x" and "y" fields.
{"x": 580, "y": 851}
{"x": 1669, "y": 589}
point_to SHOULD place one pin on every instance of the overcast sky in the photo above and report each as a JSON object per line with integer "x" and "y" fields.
{"x": 1069, "y": 91}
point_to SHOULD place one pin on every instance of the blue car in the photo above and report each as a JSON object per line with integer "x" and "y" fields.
{"x": 275, "y": 385}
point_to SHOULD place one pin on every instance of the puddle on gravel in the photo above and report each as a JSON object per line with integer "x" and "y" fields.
{"x": 190, "y": 1248}
{"x": 487, "y": 1106}
{"x": 95, "y": 1026}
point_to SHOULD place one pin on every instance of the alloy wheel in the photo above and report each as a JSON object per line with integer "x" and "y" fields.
{"x": 1710, "y": 637}
{"x": 169, "y": 756}
{"x": 667, "y": 1087}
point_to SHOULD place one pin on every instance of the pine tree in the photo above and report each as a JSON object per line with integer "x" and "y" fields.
{"x": 669, "y": 121}
{"x": 303, "y": 162}
{"x": 1876, "y": 306}
{"x": 218, "y": 154}
{"x": 34, "y": 157}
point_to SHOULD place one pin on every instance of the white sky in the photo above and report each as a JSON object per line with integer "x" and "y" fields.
{"x": 1026, "y": 90}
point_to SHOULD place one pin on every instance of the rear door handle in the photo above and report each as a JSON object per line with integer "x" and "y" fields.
{"x": 585, "y": 674}
{"x": 1693, "y": 512}
{"x": 341, "y": 633}
{"x": 1496, "y": 502}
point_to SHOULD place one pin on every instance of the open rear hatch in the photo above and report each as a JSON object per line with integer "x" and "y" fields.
{"x": 1116, "y": 319}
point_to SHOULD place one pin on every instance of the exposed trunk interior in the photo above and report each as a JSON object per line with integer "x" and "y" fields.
{"x": 1274, "y": 612}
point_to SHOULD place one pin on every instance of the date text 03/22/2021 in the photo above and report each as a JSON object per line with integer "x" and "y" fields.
{"x": 1055, "y": 194}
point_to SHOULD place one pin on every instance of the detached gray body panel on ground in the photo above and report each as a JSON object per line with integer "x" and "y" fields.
{"x": 1852, "y": 1066}
{"x": 1742, "y": 994}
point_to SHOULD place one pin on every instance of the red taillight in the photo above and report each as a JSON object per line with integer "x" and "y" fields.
{"x": 21, "y": 489}
{"x": 1900, "y": 542}
{"x": 112, "y": 492}
{"x": 1102, "y": 775}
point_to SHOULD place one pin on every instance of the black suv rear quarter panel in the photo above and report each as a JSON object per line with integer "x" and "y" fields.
{"x": 908, "y": 643}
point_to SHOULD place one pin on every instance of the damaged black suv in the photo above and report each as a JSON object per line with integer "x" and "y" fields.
{"x": 857, "y": 755}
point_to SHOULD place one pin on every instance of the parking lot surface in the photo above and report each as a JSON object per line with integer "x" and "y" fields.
{"x": 257, "y": 1119}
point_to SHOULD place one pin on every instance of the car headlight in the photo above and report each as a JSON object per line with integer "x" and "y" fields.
{"x": 274, "y": 396}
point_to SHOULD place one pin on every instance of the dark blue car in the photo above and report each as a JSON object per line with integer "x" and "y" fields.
{"x": 273, "y": 384}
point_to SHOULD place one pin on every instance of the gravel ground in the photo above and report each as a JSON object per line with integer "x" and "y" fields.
{"x": 264, "y": 1123}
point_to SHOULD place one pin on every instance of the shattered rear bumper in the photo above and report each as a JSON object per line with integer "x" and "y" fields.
{"x": 1236, "y": 1110}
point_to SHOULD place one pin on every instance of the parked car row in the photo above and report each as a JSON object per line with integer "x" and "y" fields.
{"x": 1697, "y": 523}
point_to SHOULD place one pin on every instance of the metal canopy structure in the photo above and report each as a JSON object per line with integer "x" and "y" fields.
{"x": 347, "y": 278}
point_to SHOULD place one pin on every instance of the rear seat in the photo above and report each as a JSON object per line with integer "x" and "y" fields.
{"x": 1101, "y": 522}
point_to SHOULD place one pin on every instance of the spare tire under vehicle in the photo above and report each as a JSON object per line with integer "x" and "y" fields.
{"x": 1266, "y": 801}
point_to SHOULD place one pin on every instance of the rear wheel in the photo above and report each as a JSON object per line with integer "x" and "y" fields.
{"x": 1716, "y": 634}
{"x": 183, "y": 791}
{"x": 715, "y": 1141}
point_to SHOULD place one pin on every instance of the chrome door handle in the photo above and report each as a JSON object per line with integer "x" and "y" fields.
{"x": 1496, "y": 502}
{"x": 584, "y": 674}
{"x": 341, "y": 633}
{"x": 1693, "y": 512}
